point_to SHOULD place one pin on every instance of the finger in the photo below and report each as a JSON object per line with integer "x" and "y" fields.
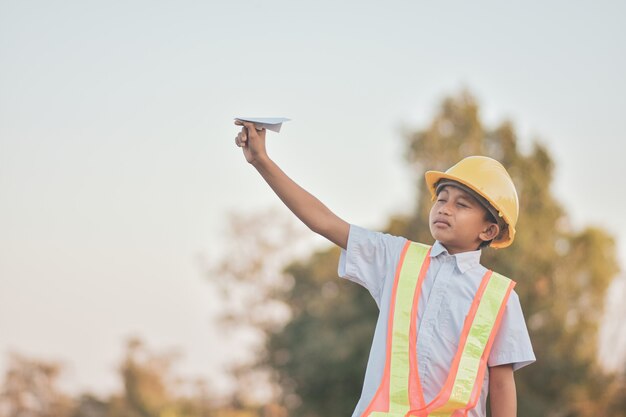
{"x": 238, "y": 122}
{"x": 251, "y": 128}
{"x": 240, "y": 139}
{"x": 243, "y": 136}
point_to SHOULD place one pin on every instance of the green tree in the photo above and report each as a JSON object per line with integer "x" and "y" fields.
{"x": 562, "y": 274}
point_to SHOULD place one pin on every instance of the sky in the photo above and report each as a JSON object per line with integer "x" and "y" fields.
{"x": 118, "y": 168}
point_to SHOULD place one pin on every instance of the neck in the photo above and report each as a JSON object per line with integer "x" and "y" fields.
{"x": 454, "y": 250}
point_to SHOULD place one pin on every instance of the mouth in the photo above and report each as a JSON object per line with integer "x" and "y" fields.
{"x": 441, "y": 222}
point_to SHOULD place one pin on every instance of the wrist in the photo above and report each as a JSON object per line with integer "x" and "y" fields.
{"x": 260, "y": 161}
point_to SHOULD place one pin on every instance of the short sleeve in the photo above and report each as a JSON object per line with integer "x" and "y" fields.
{"x": 512, "y": 343}
{"x": 370, "y": 259}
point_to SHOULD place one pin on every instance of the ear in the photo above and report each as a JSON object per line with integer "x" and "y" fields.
{"x": 490, "y": 232}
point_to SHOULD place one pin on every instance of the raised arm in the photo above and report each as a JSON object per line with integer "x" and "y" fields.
{"x": 304, "y": 205}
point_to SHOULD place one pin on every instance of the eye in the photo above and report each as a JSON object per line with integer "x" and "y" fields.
{"x": 462, "y": 205}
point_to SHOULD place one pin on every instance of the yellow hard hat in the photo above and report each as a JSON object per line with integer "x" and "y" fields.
{"x": 488, "y": 178}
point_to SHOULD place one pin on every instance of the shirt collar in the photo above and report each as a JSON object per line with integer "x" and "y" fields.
{"x": 464, "y": 260}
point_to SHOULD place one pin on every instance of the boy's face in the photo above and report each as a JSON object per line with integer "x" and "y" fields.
{"x": 460, "y": 222}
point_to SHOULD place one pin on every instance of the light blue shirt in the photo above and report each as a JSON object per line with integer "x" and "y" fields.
{"x": 447, "y": 293}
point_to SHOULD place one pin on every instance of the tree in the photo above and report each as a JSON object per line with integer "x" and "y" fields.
{"x": 251, "y": 283}
{"x": 30, "y": 389}
{"x": 320, "y": 355}
{"x": 151, "y": 388}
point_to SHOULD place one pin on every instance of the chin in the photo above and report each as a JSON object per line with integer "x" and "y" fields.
{"x": 437, "y": 235}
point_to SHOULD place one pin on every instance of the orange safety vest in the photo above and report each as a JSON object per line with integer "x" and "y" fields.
{"x": 400, "y": 393}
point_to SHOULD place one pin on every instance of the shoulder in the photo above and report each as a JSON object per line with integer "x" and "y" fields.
{"x": 370, "y": 258}
{"x": 504, "y": 278}
{"x": 369, "y": 241}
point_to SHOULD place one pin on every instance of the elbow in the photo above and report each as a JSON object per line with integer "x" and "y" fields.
{"x": 333, "y": 229}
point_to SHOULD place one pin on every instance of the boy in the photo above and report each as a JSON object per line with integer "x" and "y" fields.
{"x": 449, "y": 331}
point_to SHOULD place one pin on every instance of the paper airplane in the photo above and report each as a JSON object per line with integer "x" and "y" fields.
{"x": 270, "y": 123}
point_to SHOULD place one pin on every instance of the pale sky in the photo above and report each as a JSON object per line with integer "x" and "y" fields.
{"x": 117, "y": 161}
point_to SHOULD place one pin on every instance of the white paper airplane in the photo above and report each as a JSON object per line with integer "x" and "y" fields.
{"x": 270, "y": 123}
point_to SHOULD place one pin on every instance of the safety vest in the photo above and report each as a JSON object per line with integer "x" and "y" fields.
{"x": 400, "y": 393}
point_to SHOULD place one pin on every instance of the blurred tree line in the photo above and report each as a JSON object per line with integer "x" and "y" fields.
{"x": 150, "y": 389}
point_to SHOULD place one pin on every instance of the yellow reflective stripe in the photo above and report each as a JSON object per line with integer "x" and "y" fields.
{"x": 399, "y": 366}
{"x": 446, "y": 410}
{"x": 441, "y": 413}
{"x": 476, "y": 342}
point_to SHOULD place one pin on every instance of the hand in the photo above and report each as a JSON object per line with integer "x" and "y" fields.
{"x": 252, "y": 141}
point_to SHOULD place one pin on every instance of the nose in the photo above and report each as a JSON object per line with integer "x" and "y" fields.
{"x": 444, "y": 208}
